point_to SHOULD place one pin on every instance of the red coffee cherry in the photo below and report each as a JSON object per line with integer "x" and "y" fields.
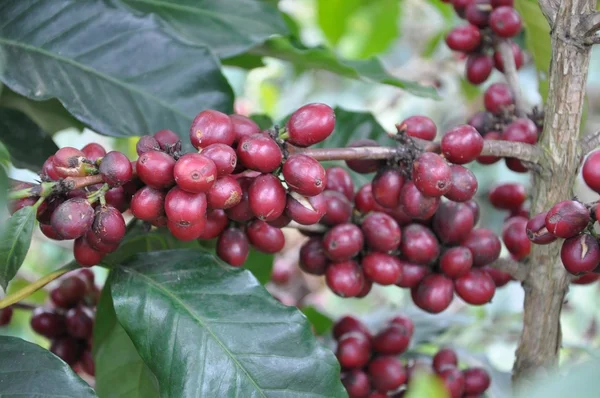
{"x": 415, "y": 204}
{"x": 464, "y": 38}
{"x": 484, "y": 246}
{"x": 497, "y": 97}
{"x": 515, "y": 239}
{"x": 338, "y": 179}
{"x": 399, "y": 216}
{"x": 456, "y": 262}
{"x": 481, "y": 121}
{"x": 478, "y": 13}
{"x": 364, "y": 201}
{"x": 401, "y": 320}
{"x": 49, "y": 171}
{"x": 419, "y": 245}
{"x": 586, "y": 279}
{"x": 338, "y": 208}
{"x": 345, "y": 279}
{"x": 155, "y": 169}
{"x": 444, "y": 359}
{"x": 48, "y": 323}
{"x": 515, "y": 165}
{"x": 6, "y": 316}
{"x": 353, "y": 350}
{"x": 117, "y": 198}
{"x": 232, "y": 247}
{"x": 431, "y": 174}
{"x": 70, "y": 292}
{"x": 343, "y": 242}
{"x": 349, "y": 324}
{"x": 478, "y": 68}
{"x": 242, "y": 212}
{"x": 211, "y": 127}
{"x": 146, "y": 143}
{"x": 49, "y": 232}
{"x": 477, "y": 380}
{"x": 80, "y": 322}
{"x": 537, "y": 232}
{"x": 500, "y": 278}
{"x": 98, "y": 244}
{"x": 454, "y": 382}
{"x": 166, "y": 139}
{"x": 418, "y": 126}
{"x": 304, "y": 175}
{"x": 412, "y": 274}
{"x": 312, "y": 257}
{"x": 87, "y": 363}
{"x": 567, "y": 219}
{"x": 521, "y": 130}
{"x": 184, "y": 207}
{"x": 476, "y": 287}
{"x": 505, "y": 21}
{"x": 115, "y": 169}
{"x": 387, "y": 373}
{"x": 305, "y": 211}
{"x": 243, "y": 127}
{"x": 393, "y": 340}
{"x": 186, "y": 231}
{"x": 507, "y": 196}
{"x": 591, "y": 171}
{"x": 364, "y": 166}
{"x": 216, "y": 222}
{"x": 225, "y": 193}
{"x": 73, "y": 218}
{"x": 148, "y": 204}
{"x": 195, "y": 173}
{"x": 462, "y": 144}
{"x": 386, "y": 187}
{"x": 517, "y": 55}
{"x": 259, "y": 152}
{"x": 68, "y": 162}
{"x": 356, "y": 383}
{"x": 381, "y": 268}
{"x": 267, "y": 197}
{"x": 84, "y": 254}
{"x": 463, "y": 186}
{"x": 433, "y": 294}
{"x": 109, "y": 224}
{"x": 580, "y": 254}
{"x": 264, "y": 237}
{"x": 281, "y": 221}
{"x": 310, "y": 124}
{"x": 223, "y": 156}
{"x": 490, "y": 136}
{"x": 453, "y": 222}
{"x": 93, "y": 151}
{"x": 474, "y": 208}
{"x": 381, "y": 232}
{"x": 500, "y": 3}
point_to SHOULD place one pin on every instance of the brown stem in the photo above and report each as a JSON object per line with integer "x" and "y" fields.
{"x": 516, "y": 269}
{"x": 512, "y": 78}
{"x": 590, "y": 142}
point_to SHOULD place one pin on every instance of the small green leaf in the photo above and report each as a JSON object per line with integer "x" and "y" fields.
{"x": 14, "y": 243}
{"x": 321, "y": 323}
{"x": 263, "y": 121}
{"x": 28, "y": 145}
{"x": 207, "y": 329}
{"x": 120, "y": 371}
{"x": 335, "y": 10}
{"x": 260, "y": 264}
{"x": 244, "y": 61}
{"x": 28, "y": 370}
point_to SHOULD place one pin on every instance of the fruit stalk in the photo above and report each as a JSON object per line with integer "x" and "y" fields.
{"x": 510, "y": 72}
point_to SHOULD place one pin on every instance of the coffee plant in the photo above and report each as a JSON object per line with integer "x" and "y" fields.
{"x": 187, "y": 223}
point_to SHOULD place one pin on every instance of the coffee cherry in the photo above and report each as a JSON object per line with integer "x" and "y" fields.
{"x": 412, "y": 274}
{"x": 462, "y": 144}
{"x": 48, "y": 323}
{"x": 186, "y": 231}
{"x": 431, "y": 175}
{"x": 264, "y": 237}
{"x": 497, "y": 97}
{"x": 586, "y": 279}
{"x": 364, "y": 201}
{"x": 146, "y": 143}
{"x": 216, "y": 222}
{"x": 345, "y": 279}
{"x": 155, "y": 169}
{"x": 481, "y": 121}
{"x": 281, "y": 221}
{"x": 117, "y": 198}
{"x": 515, "y": 165}
{"x": 73, "y": 218}
{"x": 463, "y": 184}
{"x": 364, "y": 166}
{"x": 393, "y": 340}
{"x": 381, "y": 232}
{"x": 591, "y": 171}
{"x": 115, "y": 169}
{"x": 343, "y": 242}
{"x": 567, "y": 218}
{"x": 267, "y": 197}
{"x": 490, "y": 136}
{"x": 312, "y": 257}
{"x": 444, "y": 359}
{"x": 386, "y": 187}
{"x": 517, "y": 55}
{"x": 464, "y": 38}
{"x": 68, "y": 162}
{"x": 49, "y": 171}
{"x": 505, "y": 21}
{"x": 109, "y": 224}
{"x": 419, "y": 127}
{"x": 454, "y": 382}
{"x": 484, "y": 246}
{"x": 166, "y": 139}
{"x": 433, "y": 294}
{"x": 387, "y": 373}
{"x": 521, "y": 130}
{"x": 304, "y": 175}
{"x": 97, "y": 243}
{"x": 195, "y": 173}
{"x": 478, "y": 68}
{"x": 460, "y": 6}
{"x": 148, "y": 204}
{"x": 305, "y": 210}
{"x": 476, "y": 287}
{"x": 79, "y": 322}
{"x": 211, "y": 127}
{"x": 453, "y": 222}
{"x": 419, "y": 245}
{"x": 259, "y": 152}
{"x": 225, "y": 193}
{"x": 401, "y": 320}
{"x": 399, "y": 216}
{"x": 243, "y": 127}
{"x": 348, "y": 324}
{"x": 223, "y": 156}
{"x": 353, "y": 350}
{"x": 366, "y": 289}
{"x": 84, "y": 254}
{"x": 68, "y": 349}
{"x": 310, "y": 124}
{"x": 580, "y": 254}
{"x": 477, "y": 380}
{"x": 507, "y": 196}
{"x": 70, "y": 292}
{"x": 87, "y": 362}
{"x": 417, "y": 205}
{"x": 514, "y": 236}
{"x": 185, "y": 207}
{"x": 356, "y": 383}
{"x": 241, "y": 212}
{"x": 93, "y": 151}
{"x": 478, "y": 12}
{"x": 49, "y": 232}
{"x": 456, "y": 262}
{"x": 501, "y": 3}
{"x": 381, "y": 268}
{"x": 5, "y": 316}
{"x": 338, "y": 179}
{"x": 537, "y": 232}
{"x": 232, "y": 247}
{"x": 338, "y": 210}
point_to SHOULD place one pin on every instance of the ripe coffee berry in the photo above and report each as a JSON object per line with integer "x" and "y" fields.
{"x": 478, "y": 68}
{"x": 73, "y": 218}
{"x": 356, "y": 383}
{"x": 185, "y": 207}
{"x": 305, "y": 210}
{"x": 155, "y": 169}
{"x": 353, "y": 350}
{"x": 431, "y": 175}
{"x": 419, "y": 245}
{"x": 477, "y": 380}
{"x": 338, "y": 210}
{"x": 349, "y": 324}
{"x": 507, "y": 196}
{"x": 166, "y": 139}
{"x": 591, "y": 171}
{"x": 381, "y": 268}
{"x": 412, "y": 274}
{"x": 404, "y": 321}
{"x": 223, "y": 156}
{"x": 478, "y": 12}
{"x": 70, "y": 292}
{"x": 117, "y": 198}
{"x": 85, "y": 254}
{"x": 381, "y": 232}
{"x": 338, "y": 179}
{"x": 243, "y": 127}
{"x": 484, "y": 246}
{"x": 464, "y": 38}
{"x": 476, "y": 287}
{"x": 393, "y": 340}
{"x": 79, "y": 322}
{"x": 225, "y": 193}
{"x": 259, "y": 152}
{"x": 216, "y": 222}
{"x": 345, "y": 279}
{"x": 497, "y": 97}
{"x": 195, "y": 173}
{"x": 115, "y": 169}
{"x": 343, "y": 242}
{"x": 49, "y": 172}
{"x": 146, "y": 143}
{"x": 48, "y": 323}
{"x": 419, "y": 127}
{"x": 386, "y": 187}
{"x": 537, "y": 232}
{"x": 463, "y": 184}
{"x": 267, "y": 197}
{"x": 310, "y": 124}
{"x": 505, "y": 21}
{"x": 6, "y": 316}
{"x": 93, "y": 151}
{"x": 241, "y": 212}
{"x": 521, "y": 130}
{"x": 364, "y": 166}
{"x": 364, "y": 201}
{"x": 232, "y": 247}
{"x": 580, "y": 254}
{"x": 211, "y": 127}
{"x": 444, "y": 359}
{"x": 454, "y": 381}
{"x": 434, "y": 293}
{"x": 387, "y": 373}
{"x": 453, "y": 222}
{"x": 491, "y": 136}
{"x": 462, "y": 144}
{"x": 148, "y": 204}
{"x": 514, "y": 236}
{"x": 109, "y": 224}
{"x": 517, "y": 55}
{"x": 185, "y": 230}
{"x": 456, "y": 261}
{"x": 67, "y": 349}
{"x": 312, "y": 257}
{"x": 265, "y": 237}
{"x": 567, "y": 218}
{"x": 68, "y": 162}
{"x": 304, "y": 175}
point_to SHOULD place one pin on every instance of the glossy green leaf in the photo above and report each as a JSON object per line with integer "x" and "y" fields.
{"x": 244, "y": 61}
{"x": 120, "y": 371}
{"x": 28, "y": 370}
{"x": 207, "y": 329}
{"x": 121, "y": 74}
{"x": 335, "y": 10}
{"x": 228, "y": 27}
{"x": 14, "y": 243}
{"x": 321, "y": 323}
{"x": 27, "y": 144}
{"x": 260, "y": 264}
{"x": 537, "y": 33}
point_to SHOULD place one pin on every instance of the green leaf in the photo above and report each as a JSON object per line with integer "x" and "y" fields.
{"x": 117, "y": 72}
{"x": 244, "y": 61}
{"x": 426, "y": 386}
{"x": 228, "y": 27}
{"x": 537, "y": 32}
{"x": 28, "y": 370}
{"x": 14, "y": 243}
{"x": 4, "y": 155}
{"x": 433, "y": 44}
{"x": 207, "y": 329}
{"x": 50, "y": 115}
{"x": 27, "y": 144}
{"x": 120, "y": 371}
{"x": 260, "y": 264}
{"x": 263, "y": 121}
{"x": 321, "y": 323}
{"x": 335, "y": 10}
{"x": 3, "y": 193}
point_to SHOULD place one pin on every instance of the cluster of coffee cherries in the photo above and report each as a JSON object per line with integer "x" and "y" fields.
{"x": 397, "y": 230}
{"x": 371, "y": 367}
{"x": 68, "y": 320}
{"x": 489, "y": 20}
